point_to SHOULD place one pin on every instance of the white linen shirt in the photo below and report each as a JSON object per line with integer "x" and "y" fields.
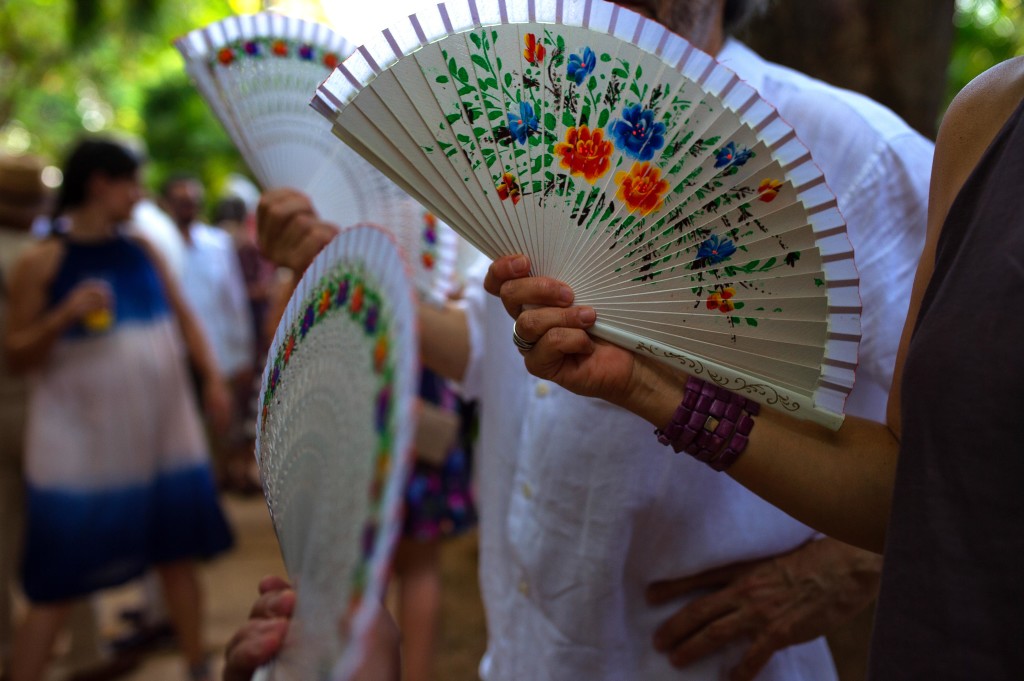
{"x": 581, "y": 508}
{"x": 214, "y": 287}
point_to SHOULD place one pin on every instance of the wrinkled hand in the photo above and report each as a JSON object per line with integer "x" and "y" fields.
{"x": 774, "y": 603}
{"x": 260, "y": 639}
{"x": 564, "y": 352}
{"x": 288, "y": 230}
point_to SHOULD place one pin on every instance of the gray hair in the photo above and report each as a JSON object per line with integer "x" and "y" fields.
{"x": 739, "y": 12}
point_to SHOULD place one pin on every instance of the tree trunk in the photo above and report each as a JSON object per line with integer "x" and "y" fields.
{"x": 894, "y": 51}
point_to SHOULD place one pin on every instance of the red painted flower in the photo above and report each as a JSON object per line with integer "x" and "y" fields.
{"x": 509, "y": 188}
{"x": 357, "y": 299}
{"x": 722, "y": 300}
{"x": 585, "y": 152}
{"x": 534, "y": 52}
{"x": 428, "y": 260}
{"x": 280, "y": 48}
{"x": 768, "y": 189}
{"x": 331, "y": 60}
{"x": 641, "y": 188}
{"x": 226, "y": 55}
{"x": 380, "y": 353}
{"x": 289, "y": 347}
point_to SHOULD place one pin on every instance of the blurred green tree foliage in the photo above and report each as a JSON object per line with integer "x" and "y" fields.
{"x": 987, "y": 32}
{"x": 69, "y": 67}
{"x": 74, "y": 67}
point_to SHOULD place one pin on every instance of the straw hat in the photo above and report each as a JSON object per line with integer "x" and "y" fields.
{"x": 23, "y": 196}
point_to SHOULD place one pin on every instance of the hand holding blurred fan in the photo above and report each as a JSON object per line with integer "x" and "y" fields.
{"x": 334, "y": 462}
{"x": 629, "y": 165}
{"x": 257, "y": 74}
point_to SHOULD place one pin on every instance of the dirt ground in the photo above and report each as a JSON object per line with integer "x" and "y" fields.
{"x": 230, "y": 589}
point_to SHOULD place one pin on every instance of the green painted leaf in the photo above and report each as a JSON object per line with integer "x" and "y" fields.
{"x": 751, "y": 322}
{"x": 465, "y": 90}
{"x": 639, "y": 72}
{"x": 479, "y": 132}
{"x": 481, "y": 62}
{"x": 567, "y": 119}
{"x": 602, "y": 118}
{"x": 538, "y": 163}
{"x": 605, "y": 57}
{"x": 475, "y": 38}
{"x": 508, "y": 80}
{"x": 463, "y": 74}
{"x": 550, "y": 122}
{"x": 615, "y": 72}
{"x": 592, "y": 83}
{"x": 494, "y": 114}
{"x": 451, "y": 118}
{"x": 442, "y": 79}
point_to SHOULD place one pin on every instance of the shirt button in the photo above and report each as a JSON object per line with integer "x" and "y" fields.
{"x": 542, "y": 389}
{"x": 524, "y": 588}
{"x": 527, "y": 491}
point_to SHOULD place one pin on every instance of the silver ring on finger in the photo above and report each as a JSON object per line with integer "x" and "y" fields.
{"x": 524, "y": 345}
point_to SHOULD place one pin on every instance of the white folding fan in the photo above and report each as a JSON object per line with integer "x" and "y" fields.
{"x": 334, "y": 463}
{"x": 628, "y": 164}
{"x": 257, "y": 74}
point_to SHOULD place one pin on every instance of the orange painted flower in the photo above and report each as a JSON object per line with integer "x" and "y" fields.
{"x": 722, "y": 300}
{"x": 427, "y": 258}
{"x": 509, "y": 188}
{"x": 279, "y": 48}
{"x": 289, "y": 347}
{"x": 331, "y": 60}
{"x": 768, "y": 189}
{"x": 641, "y": 188}
{"x": 226, "y": 55}
{"x": 534, "y": 52}
{"x": 325, "y": 302}
{"x": 585, "y": 152}
{"x": 357, "y": 298}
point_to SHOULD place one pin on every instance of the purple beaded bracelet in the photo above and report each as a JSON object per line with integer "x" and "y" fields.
{"x": 711, "y": 424}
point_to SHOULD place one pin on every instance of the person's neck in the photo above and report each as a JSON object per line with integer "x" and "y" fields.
{"x": 90, "y": 223}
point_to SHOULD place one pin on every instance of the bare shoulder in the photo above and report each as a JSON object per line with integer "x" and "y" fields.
{"x": 38, "y": 263}
{"x": 973, "y": 119}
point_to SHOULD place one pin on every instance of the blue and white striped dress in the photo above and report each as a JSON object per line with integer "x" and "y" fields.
{"x": 116, "y": 462}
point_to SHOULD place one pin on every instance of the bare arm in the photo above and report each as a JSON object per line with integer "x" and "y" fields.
{"x": 32, "y": 329}
{"x": 841, "y": 482}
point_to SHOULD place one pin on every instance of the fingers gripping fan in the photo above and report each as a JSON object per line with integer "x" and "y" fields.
{"x": 257, "y": 74}
{"x": 334, "y": 431}
{"x": 633, "y": 167}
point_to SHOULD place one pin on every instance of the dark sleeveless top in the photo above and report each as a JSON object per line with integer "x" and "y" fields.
{"x": 952, "y": 598}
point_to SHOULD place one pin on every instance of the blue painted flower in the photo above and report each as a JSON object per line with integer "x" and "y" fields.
{"x": 637, "y": 134}
{"x": 729, "y": 156}
{"x": 307, "y": 320}
{"x": 306, "y": 52}
{"x": 715, "y": 250}
{"x": 383, "y": 407}
{"x": 522, "y": 125}
{"x": 252, "y": 48}
{"x": 370, "y": 323}
{"x": 581, "y": 66}
{"x": 342, "y": 296}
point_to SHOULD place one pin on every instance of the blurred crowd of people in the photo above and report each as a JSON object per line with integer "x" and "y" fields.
{"x": 135, "y": 333}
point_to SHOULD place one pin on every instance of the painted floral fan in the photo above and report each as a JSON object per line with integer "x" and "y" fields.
{"x": 628, "y": 164}
{"x": 333, "y": 440}
{"x": 257, "y": 74}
